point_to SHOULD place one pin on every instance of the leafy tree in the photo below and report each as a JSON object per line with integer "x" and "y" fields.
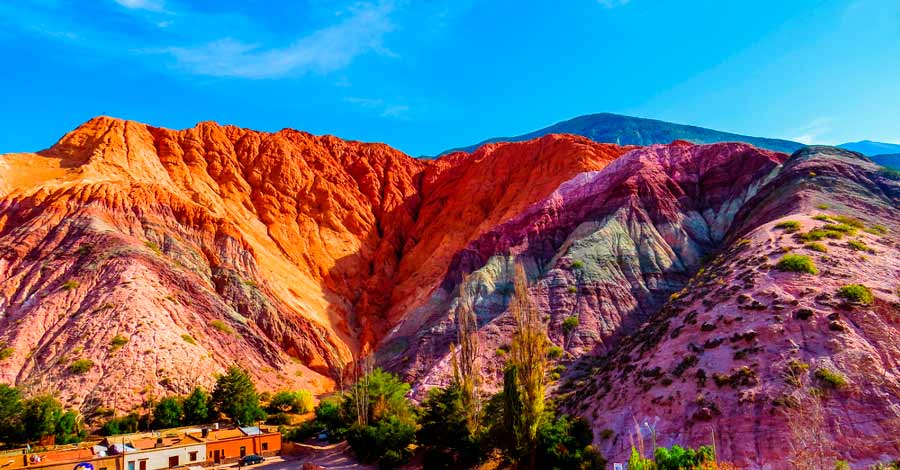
{"x": 197, "y": 407}
{"x": 10, "y": 414}
{"x": 528, "y": 358}
{"x": 168, "y": 413}
{"x": 235, "y": 396}
{"x": 565, "y": 443}
{"x": 330, "y": 417}
{"x": 381, "y": 394}
{"x": 444, "y": 430}
{"x": 680, "y": 458}
{"x": 386, "y": 442}
{"x": 637, "y": 462}
{"x": 121, "y": 425}
{"x": 285, "y": 401}
{"x": 69, "y": 428}
{"x": 40, "y": 415}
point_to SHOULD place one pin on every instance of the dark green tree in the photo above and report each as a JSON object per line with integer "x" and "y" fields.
{"x": 197, "y": 407}
{"x": 10, "y": 414}
{"x": 386, "y": 442}
{"x": 512, "y": 440}
{"x": 444, "y": 430}
{"x": 40, "y": 415}
{"x": 235, "y": 396}
{"x": 168, "y": 413}
{"x": 69, "y": 428}
{"x": 121, "y": 425}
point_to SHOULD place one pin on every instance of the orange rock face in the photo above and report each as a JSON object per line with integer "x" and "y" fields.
{"x": 285, "y": 252}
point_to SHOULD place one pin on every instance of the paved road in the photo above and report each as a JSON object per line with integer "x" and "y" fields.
{"x": 332, "y": 457}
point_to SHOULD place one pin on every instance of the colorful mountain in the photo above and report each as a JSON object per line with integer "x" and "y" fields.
{"x": 160, "y": 257}
{"x": 628, "y": 130}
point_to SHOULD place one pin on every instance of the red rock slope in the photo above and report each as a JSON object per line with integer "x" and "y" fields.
{"x": 286, "y": 253}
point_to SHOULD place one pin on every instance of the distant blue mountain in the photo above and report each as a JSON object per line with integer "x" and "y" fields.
{"x": 889, "y": 160}
{"x": 870, "y": 148}
{"x": 627, "y": 130}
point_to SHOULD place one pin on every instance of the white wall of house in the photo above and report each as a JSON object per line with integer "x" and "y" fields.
{"x": 158, "y": 459}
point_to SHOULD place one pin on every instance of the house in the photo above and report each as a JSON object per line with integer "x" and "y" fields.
{"x": 164, "y": 452}
{"x": 58, "y": 459}
{"x": 229, "y": 445}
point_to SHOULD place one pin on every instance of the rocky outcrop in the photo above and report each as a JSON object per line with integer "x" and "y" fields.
{"x": 748, "y": 353}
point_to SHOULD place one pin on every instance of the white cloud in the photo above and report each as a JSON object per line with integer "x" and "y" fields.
{"x": 361, "y": 30}
{"x": 384, "y": 109}
{"x": 613, "y": 3}
{"x": 151, "y": 5}
{"x": 813, "y": 132}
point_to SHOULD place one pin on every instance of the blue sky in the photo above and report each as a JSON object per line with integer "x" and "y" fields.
{"x": 427, "y": 75}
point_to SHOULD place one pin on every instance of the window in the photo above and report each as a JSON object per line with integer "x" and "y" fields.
{"x": 173, "y": 461}
{"x": 243, "y": 451}
{"x": 142, "y": 464}
{"x": 192, "y": 456}
{"x": 131, "y": 465}
{"x": 265, "y": 446}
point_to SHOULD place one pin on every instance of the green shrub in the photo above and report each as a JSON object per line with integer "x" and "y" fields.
{"x": 5, "y": 351}
{"x": 500, "y": 352}
{"x": 797, "y": 264}
{"x": 279, "y": 419}
{"x": 572, "y": 289}
{"x": 188, "y": 339}
{"x": 386, "y": 442}
{"x": 851, "y": 221}
{"x": 843, "y": 228}
{"x": 117, "y": 342}
{"x": 577, "y": 264}
{"x": 570, "y": 324}
{"x": 830, "y": 378}
{"x": 857, "y": 293}
{"x": 817, "y": 234}
{"x": 679, "y": 458}
{"x": 69, "y": 285}
{"x": 789, "y": 226}
{"x": 555, "y": 352}
{"x": 81, "y": 366}
{"x": 822, "y": 217}
{"x": 299, "y": 401}
{"x": 858, "y": 245}
{"x": 221, "y": 326}
{"x": 815, "y": 246}
{"x": 123, "y": 425}
{"x": 877, "y": 229}
{"x": 822, "y": 207}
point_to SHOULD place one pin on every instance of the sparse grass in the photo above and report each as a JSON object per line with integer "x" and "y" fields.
{"x": 817, "y": 234}
{"x": 851, "y": 221}
{"x": 830, "y": 378}
{"x": 877, "y": 229}
{"x": 117, "y": 342}
{"x": 5, "y": 352}
{"x": 840, "y": 227}
{"x": 188, "y": 339}
{"x": 857, "y": 293}
{"x": 221, "y": 326}
{"x": 789, "y": 226}
{"x": 85, "y": 249}
{"x": 81, "y": 366}
{"x": 816, "y": 246}
{"x": 572, "y": 289}
{"x": 500, "y": 352}
{"x": 859, "y": 245}
{"x": 577, "y": 264}
{"x": 69, "y": 285}
{"x": 822, "y": 207}
{"x": 250, "y": 283}
{"x": 822, "y": 218}
{"x": 797, "y": 264}
{"x": 153, "y": 247}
